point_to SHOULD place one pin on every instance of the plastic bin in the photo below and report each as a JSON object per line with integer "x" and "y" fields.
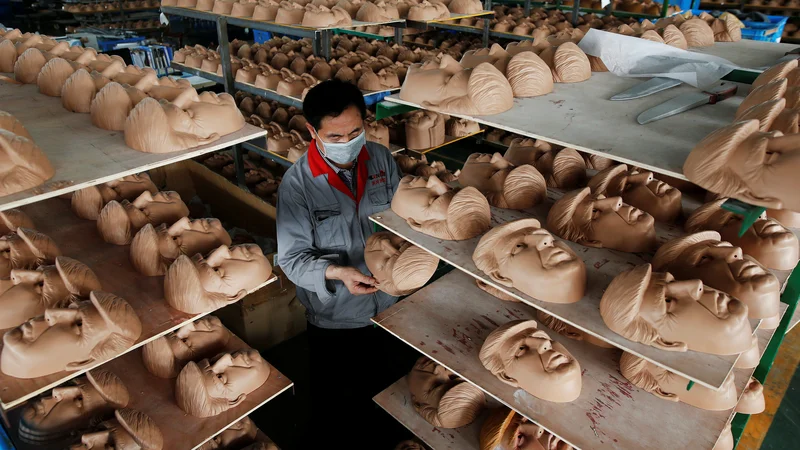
{"x": 762, "y": 31}
{"x": 684, "y": 5}
{"x": 261, "y": 36}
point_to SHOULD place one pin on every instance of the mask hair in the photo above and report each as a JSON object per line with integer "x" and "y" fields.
{"x": 145, "y": 251}
{"x": 159, "y": 359}
{"x": 484, "y": 256}
{"x": 792, "y": 94}
{"x": 764, "y": 93}
{"x": 53, "y": 75}
{"x": 698, "y": 220}
{"x": 191, "y": 394}
{"x": 184, "y": 291}
{"x": 552, "y": 322}
{"x": 8, "y": 56}
{"x": 673, "y": 248}
{"x": 560, "y": 219}
{"x": 148, "y": 129}
{"x": 31, "y": 166}
{"x": 634, "y": 369}
{"x": 528, "y": 75}
{"x": 40, "y": 245}
{"x": 78, "y": 92}
{"x": 523, "y": 188}
{"x": 110, "y": 107}
{"x": 142, "y": 428}
{"x": 468, "y": 214}
{"x": 569, "y": 170}
{"x": 499, "y": 428}
{"x": 609, "y": 182}
{"x": 110, "y": 387}
{"x": 78, "y": 278}
{"x": 88, "y": 202}
{"x": 787, "y": 122}
{"x": 28, "y": 65}
{"x": 596, "y": 162}
{"x": 775, "y": 72}
{"x": 622, "y": 301}
{"x": 765, "y": 113}
{"x": 460, "y": 406}
{"x": 493, "y": 291}
{"x": 12, "y": 219}
{"x": 490, "y": 353}
{"x": 120, "y": 318}
{"x": 413, "y": 268}
{"x": 114, "y": 224}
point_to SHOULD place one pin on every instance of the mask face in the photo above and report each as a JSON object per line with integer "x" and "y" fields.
{"x": 229, "y": 270}
{"x": 235, "y": 374}
{"x": 343, "y": 153}
{"x": 421, "y": 199}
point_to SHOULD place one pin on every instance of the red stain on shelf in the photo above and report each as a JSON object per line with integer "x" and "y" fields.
{"x": 600, "y": 263}
{"x": 441, "y": 344}
{"x": 421, "y": 344}
{"x": 480, "y": 324}
{"x": 490, "y": 320}
{"x": 512, "y": 313}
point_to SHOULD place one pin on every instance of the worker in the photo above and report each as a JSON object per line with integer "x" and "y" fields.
{"x": 324, "y": 203}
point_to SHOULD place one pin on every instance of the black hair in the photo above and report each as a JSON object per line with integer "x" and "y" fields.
{"x": 329, "y": 99}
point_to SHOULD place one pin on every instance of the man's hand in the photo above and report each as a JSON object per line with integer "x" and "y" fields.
{"x": 357, "y": 283}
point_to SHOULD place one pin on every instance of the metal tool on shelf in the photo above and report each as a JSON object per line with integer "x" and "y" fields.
{"x": 688, "y": 101}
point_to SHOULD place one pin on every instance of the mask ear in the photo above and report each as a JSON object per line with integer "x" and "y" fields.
{"x": 497, "y": 277}
{"x": 670, "y": 346}
{"x": 665, "y": 395}
{"x": 591, "y": 243}
{"x": 507, "y": 379}
{"x": 80, "y": 365}
{"x": 238, "y": 400}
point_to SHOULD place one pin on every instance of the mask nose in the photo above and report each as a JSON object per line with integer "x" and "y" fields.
{"x": 728, "y": 254}
{"x": 609, "y": 204}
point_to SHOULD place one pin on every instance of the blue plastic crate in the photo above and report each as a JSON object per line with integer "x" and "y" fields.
{"x": 762, "y": 31}
{"x": 261, "y": 36}
{"x": 684, "y": 5}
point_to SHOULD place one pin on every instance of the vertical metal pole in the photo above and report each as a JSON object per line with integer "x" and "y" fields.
{"x": 227, "y": 78}
{"x": 326, "y": 44}
{"x": 486, "y": 32}
{"x": 398, "y": 35}
{"x": 527, "y": 7}
{"x": 576, "y": 8}
{"x": 315, "y": 44}
{"x": 487, "y": 4}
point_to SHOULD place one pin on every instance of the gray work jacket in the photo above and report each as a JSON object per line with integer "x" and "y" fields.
{"x": 320, "y": 222}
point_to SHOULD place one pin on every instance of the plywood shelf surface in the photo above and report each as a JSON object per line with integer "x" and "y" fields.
{"x": 579, "y": 115}
{"x": 396, "y": 400}
{"x": 602, "y": 265}
{"x": 155, "y": 397}
{"x": 82, "y": 154}
{"x": 747, "y": 53}
{"x": 449, "y": 320}
{"x": 79, "y": 239}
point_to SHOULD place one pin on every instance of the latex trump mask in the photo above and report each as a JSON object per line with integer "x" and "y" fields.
{"x": 128, "y": 430}
{"x": 434, "y": 208}
{"x": 399, "y": 266}
{"x": 238, "y": 435}
{"x": 210, "y": 387}
{"x": 721, "y": 266}
{"x": 73, "y": 408}
{"x": 86, "y": 333}
{"x": 769, "y": 242}
{"x": 49, "y": 286}
{"x": 655, "y": 309}
{"x": 203, "y": 338}
{"x": 503, "y": 184}
{"x": 441, "y": 397}
{"x": 153, "y": 249}
{"x": 595, "y": 220}
{"x": 523, "y": 255}
{"x": 639, "y": 189}
{"x": 23, "y": 165}
{"x": 199, "y": 284}
{"x": 521, "y": 355}
{"x": 752, "y": 401}
{"x": 88, "y": 202}
{"x": 120, "y": 221}
{"x": 24, "y": 249}
{"x": 11, "y": 219}
{"x": 506, "y": 429}
{"x": 569, "y": 331}
{"x": 671, "y": 386}
{"x": 741, "y": 162}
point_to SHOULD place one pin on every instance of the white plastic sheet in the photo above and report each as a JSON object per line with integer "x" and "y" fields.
{"x": 628, "y": 56}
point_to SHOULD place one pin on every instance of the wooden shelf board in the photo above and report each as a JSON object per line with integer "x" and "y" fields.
{"x": 579, "y": 115}
{"x": 155, "y": 397}
{"x": 448, "y": 321}
{"x": 747, "y": 53}
{"x": 447, "y": 141}
{"x": 602, "y": 266}
{"x": 82, "y": 154}
{"x": 396, "y": 400}
{"x": 79, "y": 239}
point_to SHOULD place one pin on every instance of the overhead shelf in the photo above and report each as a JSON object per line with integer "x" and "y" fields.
{"x": 602, "y": 265}
{"x": 79, "y": 239}
{"x": 449, "y": 320}
{"x": 155, "y": 397}
{"x": 82, "y": 154}
{"x": 396, "y": 400}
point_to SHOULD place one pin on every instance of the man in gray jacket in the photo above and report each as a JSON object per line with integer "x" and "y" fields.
{"x": 324, "y": 203}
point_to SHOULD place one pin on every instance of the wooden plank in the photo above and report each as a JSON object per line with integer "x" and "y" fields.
{"x": 602, "y": 265}
{"x": 747, "y": 53}
{"x": 396, "y": 400}
{"x": 448, "y": 321}
{"x": 82, "y": 154}
{"x": 156, "y": 397}
{"x": 579, "y": 115}
{"x": 79, "y": 239}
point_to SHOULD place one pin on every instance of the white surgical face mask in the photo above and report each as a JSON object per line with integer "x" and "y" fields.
{"x": 343, "y": 153}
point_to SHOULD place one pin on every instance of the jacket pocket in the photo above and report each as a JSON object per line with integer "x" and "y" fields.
{"x": 330, "y": 228}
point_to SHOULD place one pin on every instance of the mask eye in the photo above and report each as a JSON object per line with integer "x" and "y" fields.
{"x": 595, "y": 213}
{"x": 521, "y": 350}
{"x": 518, "y": 248}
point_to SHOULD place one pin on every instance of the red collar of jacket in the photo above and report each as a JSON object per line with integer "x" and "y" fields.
{"x": 319, "y": 167}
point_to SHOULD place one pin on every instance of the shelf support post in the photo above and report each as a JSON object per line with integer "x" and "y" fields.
{"x": 398, "y": 35}
{"x": 326, "y": 44}
{"x": 576, "y": 8}
{"x": 527, "y": 8}
{"x": 227, "y": 79}
{"x": 486, "y": 32}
